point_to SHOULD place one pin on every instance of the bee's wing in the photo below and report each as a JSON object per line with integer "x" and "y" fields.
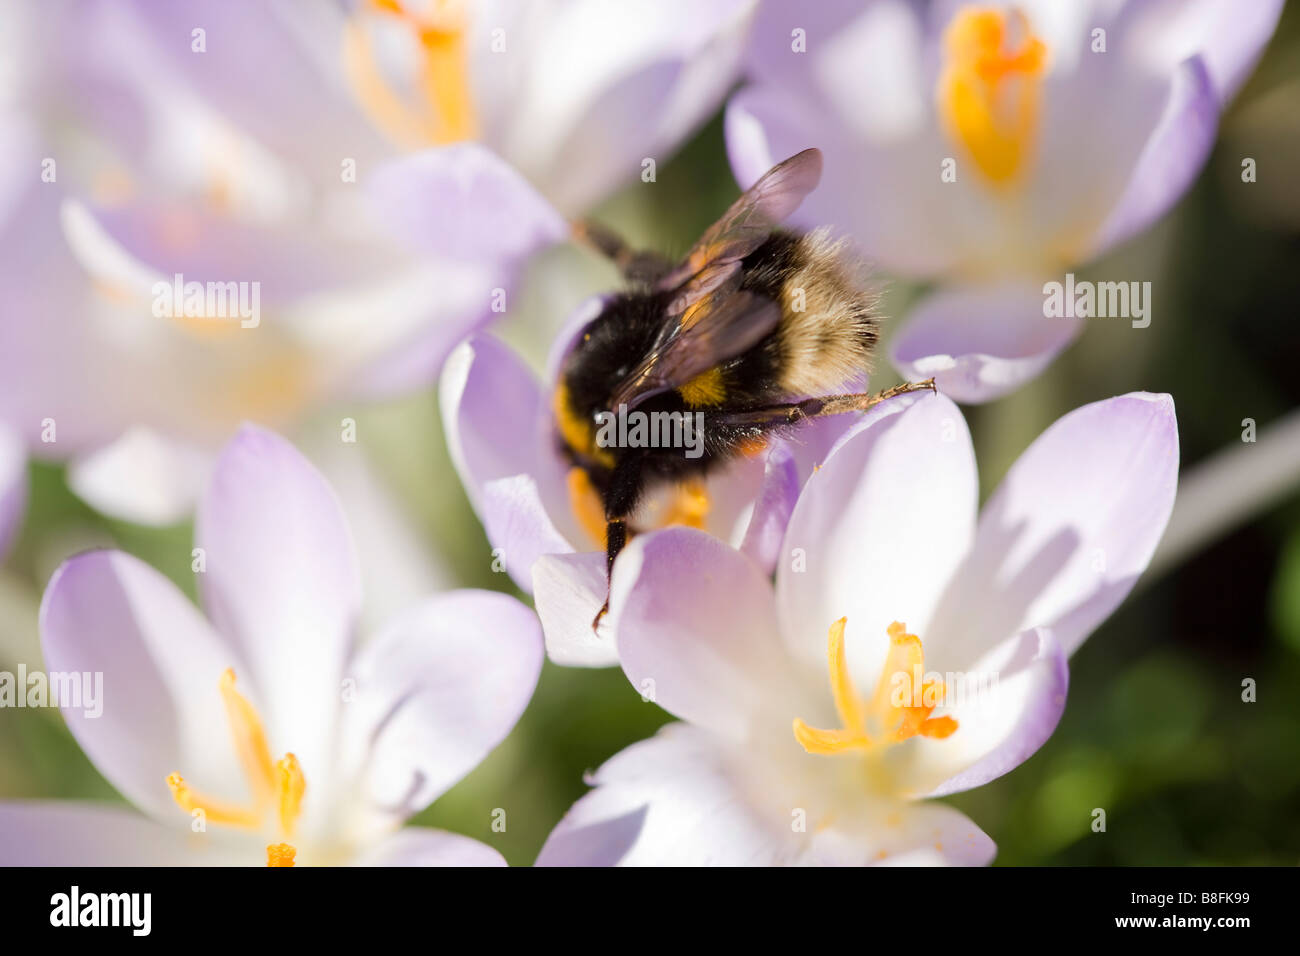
{"x": 750, "y": 220}
{"x": 715, "y": 329}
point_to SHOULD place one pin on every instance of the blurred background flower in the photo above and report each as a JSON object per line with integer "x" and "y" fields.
{"x": 1155, "y": 731}
{"x": 992, "y": 147}
{"x": 322, "y": 745}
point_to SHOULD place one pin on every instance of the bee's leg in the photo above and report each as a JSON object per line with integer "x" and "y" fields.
{"x": 615, "y": 540}
{"x": 790, "y": 413}
{"x": 621, "y": 496}
{"x": 636, "y": 265}
{"x": 839, "y": 404}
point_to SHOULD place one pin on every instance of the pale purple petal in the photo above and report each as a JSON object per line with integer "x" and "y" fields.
{"x": 1065, "y": 536}
{"x": 421, "y": 846}
{"x": 980, "y": 342}
{"x": 135, "y": 246}
{"x": 696, "y": 629}
{"x": 86, "y": 834}
{"x": 343, "y": 314}
{"x": 1008, "y": 704}
{"x": 13, "y": 486}
{"x": 51, "y": 363}
{"x": 281, "y": 582}
{"x": 1229, "y": 36}
{"x": 519, "y": 526}
{"x": 568, "y": 590}
{"x": 771, "y": 54}
{"x": 877, "y": 532}
{"x": 1172, "y": 157}
{"x": 772, "y": 507}
{"x": 666, "y": 801}
{"x": 142, "y": 476}
{"x": 438, "y": 690}
{"x": 158, "y": 709}
{"x": 463, "y": 202}
{"x": 497, "y": 423}
{"x": 603, "y": 87}
{"x": 272, "y": 73}
{"x": 684, "y": 798}
{"x": 482, "y": 378}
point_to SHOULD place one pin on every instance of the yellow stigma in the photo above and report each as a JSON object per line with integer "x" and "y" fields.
{"x": 277, "y": 788}
{"x": 990, "y": 89}
{"x": 707, "y": 388}
{"x": 884, "y": 720}
{"x": 290, "y": 786}
{"x": 280, "y": 854}
{"x": 249, "y": 738}
{"x": 446, "y": 111}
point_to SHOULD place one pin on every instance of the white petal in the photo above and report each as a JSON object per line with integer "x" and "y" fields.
{"x": 281, "y": 583}
{"x": 142, "y": 477}
{"x": 682, "y": 798}
{"x": 879, "y": 529}
{"x": 696, "y": 630}
{"x": 438, "y": 690}
{"x": 1064, "y": 538}
{"x": 420, "y": 846}
{"x": 568, "y": 590}
{"x": 153, "y": 665}
{"x": 13, "y": 486}
{"x": 1006, "y": 706}
{"x": 85, "y": 834}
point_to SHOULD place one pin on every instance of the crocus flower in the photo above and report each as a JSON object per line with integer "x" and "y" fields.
{"x": 118, "y": 210}
{"x": 260, "y": 734}
{"x": 575, "y": 94}
{"x": 547, "y": 528}
{"x": 906, "y": 650}
{"x": 992, "y": 148}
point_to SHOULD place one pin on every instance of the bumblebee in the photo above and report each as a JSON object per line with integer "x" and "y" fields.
{"x": 751, "y": 334}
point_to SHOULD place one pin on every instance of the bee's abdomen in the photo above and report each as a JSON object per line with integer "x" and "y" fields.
{"x": 828, "y": 328}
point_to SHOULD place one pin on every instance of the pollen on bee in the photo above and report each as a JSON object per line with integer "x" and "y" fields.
{"x": 707, "y": 388}
{"x": 586, "y": 505}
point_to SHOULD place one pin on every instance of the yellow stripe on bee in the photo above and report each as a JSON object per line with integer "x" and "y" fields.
{"x": 577, "y": 433}
{"x": 707, "y": 388}
{"x": 585, "y": 503}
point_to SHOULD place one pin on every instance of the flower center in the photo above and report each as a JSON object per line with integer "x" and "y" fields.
{"x": 893, "y": 714}
{"x": 990, "y": 88}
{"x": 277, "y": 787}
{"x": 444, "y": 108}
